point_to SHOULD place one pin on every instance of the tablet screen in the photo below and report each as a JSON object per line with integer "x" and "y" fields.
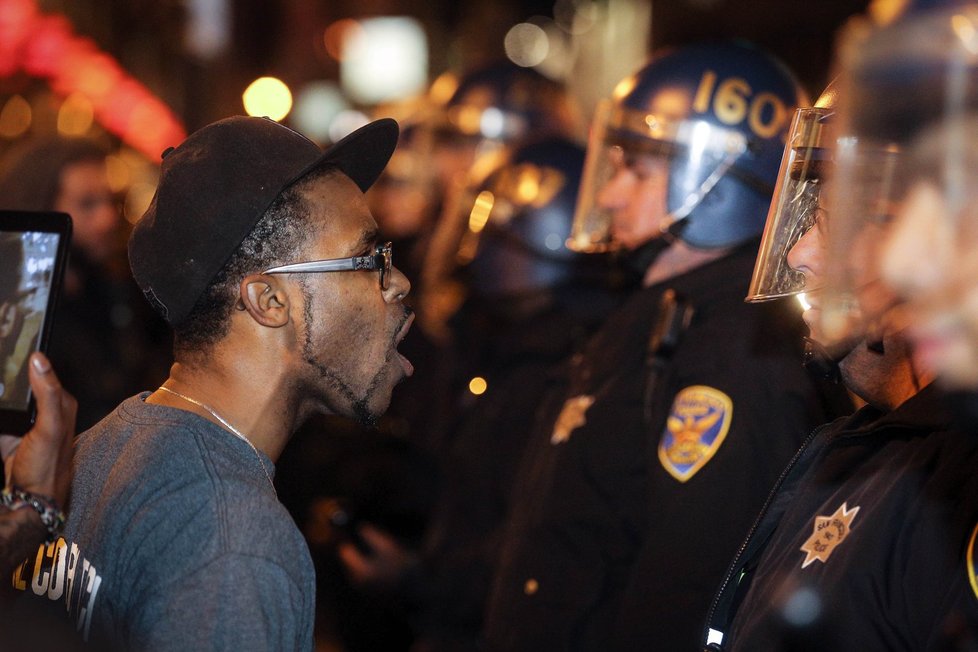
{"x": 28, "y": 270}
{"x": 33, "y": 248}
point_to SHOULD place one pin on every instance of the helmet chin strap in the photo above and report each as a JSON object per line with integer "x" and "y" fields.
{"x": 638, "y": 260}
{"x": 823, "y": 361}
{"x": 820, "y": 362}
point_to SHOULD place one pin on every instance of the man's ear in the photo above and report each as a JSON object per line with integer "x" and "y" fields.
{"x": 265, "y": 298}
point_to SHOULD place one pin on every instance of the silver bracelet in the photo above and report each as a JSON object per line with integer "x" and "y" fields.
{"x": 14, "y": 498}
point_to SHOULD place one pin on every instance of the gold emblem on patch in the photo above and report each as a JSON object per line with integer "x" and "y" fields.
{"x": 698, "y": 423}
{"x": 828, "y": 533}
{"x": 971, "y": 562}
{"x": 571, "y": 417}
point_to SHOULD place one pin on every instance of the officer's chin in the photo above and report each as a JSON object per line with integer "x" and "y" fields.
{"x": 640, "y": 258}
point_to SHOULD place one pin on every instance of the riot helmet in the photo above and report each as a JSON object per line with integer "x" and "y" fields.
{"x": 709, "y": 120}
{"x": 492, "y": 110}
{"x": 518, "y": 222}
{"x": 504, "y": 102}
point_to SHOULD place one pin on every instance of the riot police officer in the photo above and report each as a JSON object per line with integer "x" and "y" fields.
{"x": 531, "y": 303}
{"x": 864, "y": 542}
{"x": 643, "y": 473}
{"x": 493, "y": 108}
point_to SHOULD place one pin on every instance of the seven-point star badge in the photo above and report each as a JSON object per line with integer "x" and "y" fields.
{"x": 829, "y": 532}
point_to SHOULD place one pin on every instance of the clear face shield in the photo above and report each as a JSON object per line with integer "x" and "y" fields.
{"x": 469, "y": 141}
{"x": 795, "y": 207}
{"x": 863, "y": 197}
{"x": 462, "y": 217}
{"x": 634, "y": 157}
{"x": 914, "y": 90}
{"x": 450, "y": 244}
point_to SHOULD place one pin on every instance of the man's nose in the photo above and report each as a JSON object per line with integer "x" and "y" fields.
{"x": 806, "y": 254}
{"x": 399, "y": 286}
{"x": 613, "y": 194}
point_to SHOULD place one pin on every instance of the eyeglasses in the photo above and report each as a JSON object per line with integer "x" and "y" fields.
{"x": 380, "y": 260}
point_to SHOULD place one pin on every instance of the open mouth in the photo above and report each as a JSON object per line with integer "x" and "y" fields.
{"x": 406, "y": 365}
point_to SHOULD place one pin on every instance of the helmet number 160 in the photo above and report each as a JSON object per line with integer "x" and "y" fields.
{"x": 733, "y": 101}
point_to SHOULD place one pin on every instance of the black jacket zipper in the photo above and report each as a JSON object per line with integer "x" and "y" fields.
{"x": 733, "y": 569}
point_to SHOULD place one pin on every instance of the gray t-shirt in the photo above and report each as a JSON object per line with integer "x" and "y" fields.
{"x": 176, "y": 541}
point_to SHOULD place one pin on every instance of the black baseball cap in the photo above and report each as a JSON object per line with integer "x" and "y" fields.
{"x": 216, "y": 185}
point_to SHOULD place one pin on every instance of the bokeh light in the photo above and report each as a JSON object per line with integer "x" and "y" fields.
{"x": 117, "y": 173}
{"x": 443, "y": 88}
{"x": 137, "y": 200}
{"x": 346, "y": 122}
{"x": 15, "y": 117}
{"x": 478, "y": 385}
{"x": 526, "y": 44}
{"x": 316, "y": 107}
{"x": 207, "y": 34}
{"x": 385, "y": 60}
{"x": 268, "y": 96}
{"x": 76, "y": 115}
{"x": 481, "y": 209}
{"x": 336, "y": 35}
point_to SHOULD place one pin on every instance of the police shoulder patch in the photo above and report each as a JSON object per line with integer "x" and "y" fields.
{"x": 971, "y": 562}
{"x": 698, "y": 423}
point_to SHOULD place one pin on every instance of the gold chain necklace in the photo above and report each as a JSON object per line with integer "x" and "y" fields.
{"x": 237, "y": 433}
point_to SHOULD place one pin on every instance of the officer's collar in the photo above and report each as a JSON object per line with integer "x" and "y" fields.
{"x": 927, "y": 410}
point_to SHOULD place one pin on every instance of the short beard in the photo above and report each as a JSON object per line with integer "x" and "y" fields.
{"x": 360, "y": 406}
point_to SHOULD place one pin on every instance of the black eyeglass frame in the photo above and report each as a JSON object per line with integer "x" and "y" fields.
{"x": 381, "y": 259}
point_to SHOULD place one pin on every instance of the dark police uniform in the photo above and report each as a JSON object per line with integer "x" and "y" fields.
{"x": 519, "y": 363}
{"x": 868, "y": 543}
{"x": 599, "y": 489}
